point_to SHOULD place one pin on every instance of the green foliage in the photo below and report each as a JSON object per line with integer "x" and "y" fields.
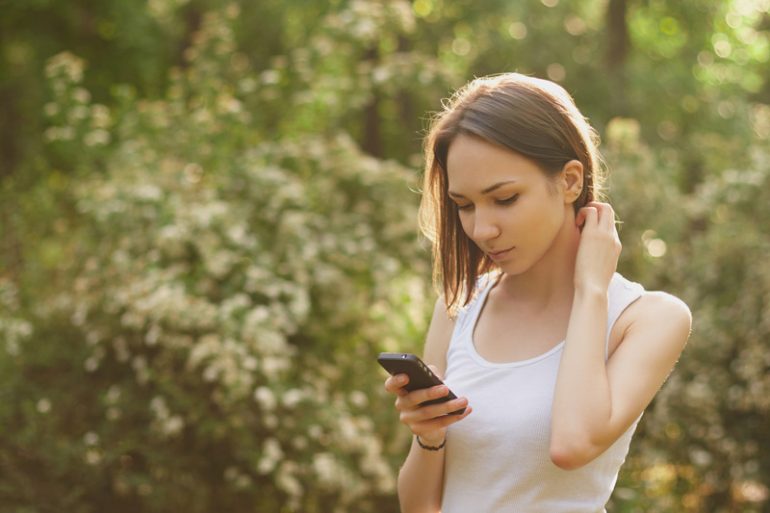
{"x": 203, "y": 247}
{"x": 220, "y": 301}
{"x": 712, "y": 418}
{"x": 699, "y": 447}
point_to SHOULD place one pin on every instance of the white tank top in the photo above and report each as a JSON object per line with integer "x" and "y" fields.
{"x": 497, "y": 459}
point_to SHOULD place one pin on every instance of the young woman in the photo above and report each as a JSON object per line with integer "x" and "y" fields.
{"x": 554, "y": 354}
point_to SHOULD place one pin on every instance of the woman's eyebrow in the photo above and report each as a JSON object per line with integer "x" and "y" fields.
{"x": 485, "y": 191}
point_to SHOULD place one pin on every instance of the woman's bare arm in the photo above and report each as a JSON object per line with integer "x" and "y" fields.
{"x": 596, "y": 401}
{"x": 420, "y": 481}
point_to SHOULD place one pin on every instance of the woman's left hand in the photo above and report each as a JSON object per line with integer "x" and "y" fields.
{"x": 599, "y": 248}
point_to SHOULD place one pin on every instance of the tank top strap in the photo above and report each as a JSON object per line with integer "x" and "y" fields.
{"x": 466, "y": 316}
{"x": 621, "y": 294}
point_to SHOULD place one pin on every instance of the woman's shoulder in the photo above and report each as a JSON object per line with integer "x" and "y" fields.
{"x": 657, "y": 303}
{"x": 656, "y": 310}
{"x": 649, "y": 300}
{"x": 652, "y": 312}
{"x": 438, "y": 337}
{"x": 620, "y": 282}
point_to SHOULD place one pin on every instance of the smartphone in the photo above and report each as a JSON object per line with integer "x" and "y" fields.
{"x": 420, "y": 375}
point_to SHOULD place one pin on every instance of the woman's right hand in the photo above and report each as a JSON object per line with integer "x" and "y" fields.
{"x": 428, "y": 422}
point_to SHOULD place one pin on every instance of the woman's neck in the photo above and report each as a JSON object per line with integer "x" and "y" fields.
{"x": 550, "y": 279}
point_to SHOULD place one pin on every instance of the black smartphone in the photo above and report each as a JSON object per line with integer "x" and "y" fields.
{"x": 420, "y": 375}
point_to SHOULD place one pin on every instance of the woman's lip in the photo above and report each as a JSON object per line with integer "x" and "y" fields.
{"x": 499, "y": 253}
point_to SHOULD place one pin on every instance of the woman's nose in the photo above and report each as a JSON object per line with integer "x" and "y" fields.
{"x": 484, "y": 228}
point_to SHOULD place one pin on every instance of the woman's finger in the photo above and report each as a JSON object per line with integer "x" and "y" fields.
{"x": 437, "y": 423}
{"x": 441, "y": 409}
{"x": 590, "y": 216}
{"x": 412, "y": 400}
{"x": 606, "y": 216}
{"x": 395, "y": 383}
{"x": 413, "y": 416}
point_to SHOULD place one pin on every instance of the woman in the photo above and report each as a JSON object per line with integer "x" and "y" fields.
{"x": 553, "y": 353}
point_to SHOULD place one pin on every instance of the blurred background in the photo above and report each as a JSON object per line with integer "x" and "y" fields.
{"x": 208, "y": 219}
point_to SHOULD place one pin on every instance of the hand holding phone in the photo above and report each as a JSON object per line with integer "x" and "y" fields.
{"x": 420, "y": 376}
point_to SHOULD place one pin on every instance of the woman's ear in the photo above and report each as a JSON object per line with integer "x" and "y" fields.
{"x": 571, "y": 180}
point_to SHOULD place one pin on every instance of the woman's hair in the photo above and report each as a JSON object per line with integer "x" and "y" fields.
{"x": 532, "y": 117}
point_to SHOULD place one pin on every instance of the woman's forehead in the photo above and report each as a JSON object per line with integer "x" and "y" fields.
{"x": 474, "y": 165}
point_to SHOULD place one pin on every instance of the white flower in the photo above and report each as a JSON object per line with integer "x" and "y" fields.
{"x": 234, "y": 304}
{"x": 250, "y": 363}
{"x": 270, "y": 77}
{"x": 247, "y": 85}
{"x": 91, "y": 364}
{"x": 326, "y": 468}
{"x": 271, "y": 455}
{"x": 139, "y": 364}
{"x": 81, "y": 95}
{"x": 147, "y": 192}
{"x": 173, "y": 425}
{"x": 93, "y": 456}
{"x": 273, "y": 366}
{"x": 220, "y": 263}
{"x": 43, "y": 405}
{"x": 271, "y": 343}
{"x": 256, "y": 318}
{"x": 113, "y": 394}
{"x": 292, "y": 397}
{"x": 211, "y": 373}
{"x": 97, "y": 137}
{"x": 315, "y": 431}
{"x": 239, "y": 235}
{"x": 265, "y": 398}
{"x": 299, "y": 305}
{"x": 100, "y": 116}
{"x": 286, "y": 480}
{"x": 67, "y": 64}
{"x": 159, "y": 407}
{"x": 359, "y": 399}
{"x": 78, "y": 112}
{"x": 90, "y": 438}
{"x": 152, "y": 336}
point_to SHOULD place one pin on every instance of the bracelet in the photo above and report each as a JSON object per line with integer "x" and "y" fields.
{"x": 430, "y": 447}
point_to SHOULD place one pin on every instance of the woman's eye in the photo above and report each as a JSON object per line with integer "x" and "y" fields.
{"x": 508, "y": 201}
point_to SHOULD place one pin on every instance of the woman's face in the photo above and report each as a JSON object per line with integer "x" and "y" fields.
{"x": 506, "y": 203}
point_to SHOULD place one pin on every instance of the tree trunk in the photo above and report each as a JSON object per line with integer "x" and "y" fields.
{"x": 618, "y": 48}
{"x": 372, "y": 136}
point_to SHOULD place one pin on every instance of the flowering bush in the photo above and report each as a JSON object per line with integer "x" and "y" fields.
{"x": 699, "y": 444}
{"x": 243, "y": 303}
{"x": 220, "y": 299}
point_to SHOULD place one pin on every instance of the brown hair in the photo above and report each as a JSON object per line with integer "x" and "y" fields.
{"x": 535, "y": 118}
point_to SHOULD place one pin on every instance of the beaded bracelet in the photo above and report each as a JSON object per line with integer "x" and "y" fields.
{"x": 430, "y": 447}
